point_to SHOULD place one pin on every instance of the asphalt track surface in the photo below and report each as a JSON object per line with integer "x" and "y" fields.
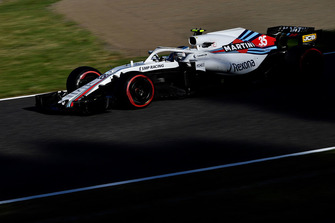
{"x": 43, "y": 153}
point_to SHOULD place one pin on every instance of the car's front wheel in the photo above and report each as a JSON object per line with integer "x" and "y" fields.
{"x": 136, "y": 90}
{"x": 81, "y": 76}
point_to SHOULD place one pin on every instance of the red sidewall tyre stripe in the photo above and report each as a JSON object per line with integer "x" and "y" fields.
{"x": 304, "y": 55}
{"x": 88, "y": 72}
{"x": 131, "y": 100}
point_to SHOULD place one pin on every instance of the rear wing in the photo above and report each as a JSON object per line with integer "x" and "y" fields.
{"x": 299, "y": 34}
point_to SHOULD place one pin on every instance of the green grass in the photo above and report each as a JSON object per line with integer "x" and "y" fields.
{"x": 38, "y": 48}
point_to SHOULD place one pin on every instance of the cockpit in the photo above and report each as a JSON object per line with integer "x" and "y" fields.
{"x": 169, "y": 54}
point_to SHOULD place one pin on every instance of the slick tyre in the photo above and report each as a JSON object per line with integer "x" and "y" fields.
{"x": 311, "y": 61}
{"x": 305, "y": 62}
{"x": 136, "y": 90}
{"x": 81, "y": 76}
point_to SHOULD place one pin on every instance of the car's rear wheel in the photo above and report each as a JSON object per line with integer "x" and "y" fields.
{"x": 136, "y": 91}
{"x": 306, "y": 62}
{"x": 81, "y": 76}
{"x": 311, "y": 61}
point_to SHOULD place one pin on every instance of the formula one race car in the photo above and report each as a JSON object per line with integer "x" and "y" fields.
{"x": 178, "y": 72}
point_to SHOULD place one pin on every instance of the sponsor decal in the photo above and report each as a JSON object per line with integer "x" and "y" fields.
{"x": 201, "y": 55}
{"x": 292, "y": 34}
{"x": 309, "y": 38}
{"x": 243, "y": 66}
{"x": 238, "y": 46}
{"x": 199, "y": 65}
{"x": 150, "y": 67}
{"x": 105, "y": 75}
{"x": 295, "y": 29}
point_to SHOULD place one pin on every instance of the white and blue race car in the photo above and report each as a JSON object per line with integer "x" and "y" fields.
{"x": 177, "y": 72}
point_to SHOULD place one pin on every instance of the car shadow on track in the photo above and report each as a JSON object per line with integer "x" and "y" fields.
{"x": 312, "y": 100}
{"x": 308, "y": 100}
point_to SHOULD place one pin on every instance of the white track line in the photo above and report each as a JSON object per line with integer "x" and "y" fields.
{"x": 19, "y": 97}
{"x": 26, "y": 96}
{"x": 164, "y": 176}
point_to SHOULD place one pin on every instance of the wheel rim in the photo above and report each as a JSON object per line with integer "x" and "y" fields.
{"x": 86, "y": 77}
{"x": 140, "y": 91}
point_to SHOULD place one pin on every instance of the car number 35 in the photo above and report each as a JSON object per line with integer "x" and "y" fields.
{"x": 263, "y": 41}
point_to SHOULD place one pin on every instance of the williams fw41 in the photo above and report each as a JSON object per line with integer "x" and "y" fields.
{"x": 211, "y": 58}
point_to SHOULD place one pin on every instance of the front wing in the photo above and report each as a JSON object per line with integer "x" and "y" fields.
{"x": 48, "y": 103}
